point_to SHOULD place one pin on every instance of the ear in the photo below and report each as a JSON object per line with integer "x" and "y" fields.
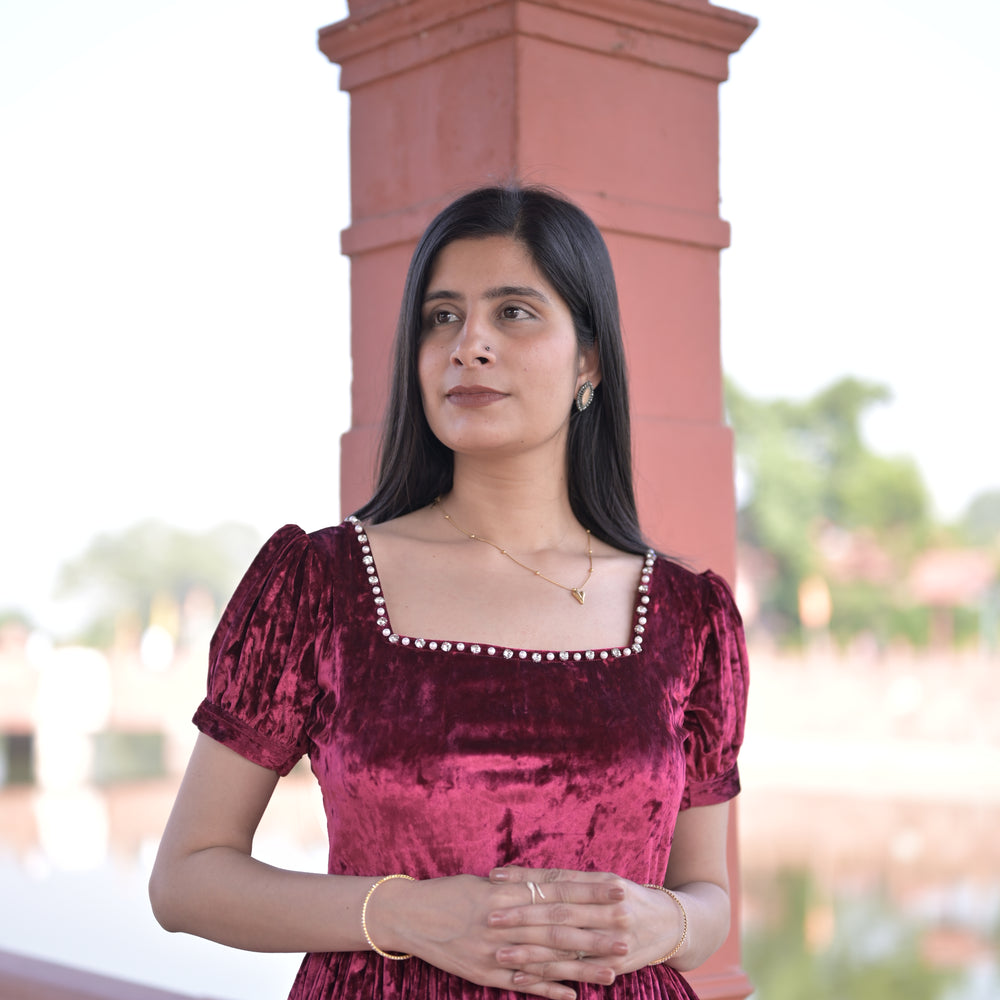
{"x": 589, "y": 367}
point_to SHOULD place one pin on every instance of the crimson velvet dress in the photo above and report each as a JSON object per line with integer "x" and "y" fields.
{"x": 439, "y": 757}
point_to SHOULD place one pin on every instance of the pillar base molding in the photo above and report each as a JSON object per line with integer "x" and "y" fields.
{"x": 612, "y": 214}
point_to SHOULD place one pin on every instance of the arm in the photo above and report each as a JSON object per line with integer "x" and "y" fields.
{"x": 205, "y": 882}
{"x": 698, "y": 873}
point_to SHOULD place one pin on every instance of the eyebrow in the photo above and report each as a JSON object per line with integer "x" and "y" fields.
{"x": 499, "y": 292}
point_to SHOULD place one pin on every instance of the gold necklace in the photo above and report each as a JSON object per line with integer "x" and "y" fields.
{"x": 577, "y": 592}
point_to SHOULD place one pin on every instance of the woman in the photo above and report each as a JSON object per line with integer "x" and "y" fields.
{"x": 523, "y": 721}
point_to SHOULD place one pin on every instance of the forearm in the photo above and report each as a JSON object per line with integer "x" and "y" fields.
{"x": 222, "y": 894}
{"x": 708, "y": 910}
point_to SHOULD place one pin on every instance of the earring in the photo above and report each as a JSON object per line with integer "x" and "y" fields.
{"x": 585, "y": 395}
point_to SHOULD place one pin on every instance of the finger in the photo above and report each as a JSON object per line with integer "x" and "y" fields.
{"x": 532, "y": 985}
{"x": 524, "y": 955}
{"x": 515, "y": 956}
{"x": 552, "y": 941}
{"x": 605, "y": 916}
{"x": 517, "y": 873}
{"x": 579, "y": 971}
{"x": 584, "y": 893}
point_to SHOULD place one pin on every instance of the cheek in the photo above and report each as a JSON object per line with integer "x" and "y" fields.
{"x": 426, "y": 368}
{"x": 557, "y": 374}
{"x": 430, "y": 365}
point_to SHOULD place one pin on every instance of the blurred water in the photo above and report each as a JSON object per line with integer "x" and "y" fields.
{"x": 99, "y": 920}
{"x": 80, "y": 899}
{"x": 805, "y": 940}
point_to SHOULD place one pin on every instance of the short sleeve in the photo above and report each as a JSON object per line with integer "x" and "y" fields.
{"x": 262, "y": 671}
{"x": 716, "y": 708}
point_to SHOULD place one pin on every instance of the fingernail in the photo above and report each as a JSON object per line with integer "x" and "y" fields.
{"x": 505, "y": 955}
{"x": 617, "y": 893}
{"x": 495, "y": 919}
{"x": 566, "y": 995}
{"x": 499, "y": 875}
{"x": 520, "y": 977}
{"x": 619, "y": 948}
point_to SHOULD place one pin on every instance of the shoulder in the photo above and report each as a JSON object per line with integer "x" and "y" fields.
{"x": 404, "y": 540}
{"x": 294, "y": 538}
{"x": 418, "y": 525}
{"x": 705, "y": 592}
{"x": 292, "y": 548}
{"x": 337, "y": 540}
{"x": 683, "y": 578}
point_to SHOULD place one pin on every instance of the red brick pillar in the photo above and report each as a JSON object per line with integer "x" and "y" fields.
{"x": 614, "y": 103}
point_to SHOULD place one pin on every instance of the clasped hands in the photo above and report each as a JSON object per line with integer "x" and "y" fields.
{"x": 575, "y": 926}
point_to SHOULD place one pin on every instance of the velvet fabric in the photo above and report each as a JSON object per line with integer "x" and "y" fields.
{"x": 440, "y": 761}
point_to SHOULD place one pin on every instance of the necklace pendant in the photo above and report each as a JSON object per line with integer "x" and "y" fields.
{"x": 578, "y": 594}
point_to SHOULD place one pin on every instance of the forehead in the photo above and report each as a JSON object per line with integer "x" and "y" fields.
{"x": 486, "y": 261}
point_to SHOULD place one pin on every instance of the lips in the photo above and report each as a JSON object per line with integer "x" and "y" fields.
{"x": 474, "y": 395}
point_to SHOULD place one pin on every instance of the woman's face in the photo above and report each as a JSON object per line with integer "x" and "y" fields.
{"x": 499, "y": 362}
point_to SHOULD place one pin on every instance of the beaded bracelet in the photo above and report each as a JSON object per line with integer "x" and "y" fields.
{"x": 684, "y": 929}
{"x": 364, "y": 920}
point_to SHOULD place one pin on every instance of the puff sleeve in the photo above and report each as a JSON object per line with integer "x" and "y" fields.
{"x": 262, "y": 669}
{"x": 716, "y": 708}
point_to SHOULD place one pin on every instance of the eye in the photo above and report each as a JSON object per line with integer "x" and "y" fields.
{"x": 439, "y": 317}
{"x": 514, "y": 312}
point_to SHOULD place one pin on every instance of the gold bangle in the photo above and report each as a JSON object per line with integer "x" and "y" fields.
{"x": 364, "y": 919}
{"x": 684, "y": 929}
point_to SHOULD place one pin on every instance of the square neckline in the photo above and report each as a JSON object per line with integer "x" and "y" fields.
{"x": 383, "y": 626}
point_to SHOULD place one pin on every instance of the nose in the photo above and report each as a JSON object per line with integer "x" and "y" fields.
{"x": 472, "y": 347}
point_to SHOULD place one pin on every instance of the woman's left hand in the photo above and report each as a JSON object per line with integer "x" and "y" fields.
{"x": 642, "y": 924}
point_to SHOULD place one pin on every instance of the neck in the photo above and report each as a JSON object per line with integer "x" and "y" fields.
{"x": 515, "y": 508}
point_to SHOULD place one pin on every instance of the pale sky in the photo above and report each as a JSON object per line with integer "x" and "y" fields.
{"x": 174, "y": 307}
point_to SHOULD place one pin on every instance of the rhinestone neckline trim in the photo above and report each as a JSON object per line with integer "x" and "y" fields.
{"x": 503, "y": 652}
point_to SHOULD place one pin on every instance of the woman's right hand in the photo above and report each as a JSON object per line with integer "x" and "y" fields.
{"x": 447, "y": 923}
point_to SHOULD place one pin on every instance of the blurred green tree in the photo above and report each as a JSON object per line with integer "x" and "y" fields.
{"x": 805, "y": 466}
{"x": 122, "y": 575}
{"x": 16, "y": 617}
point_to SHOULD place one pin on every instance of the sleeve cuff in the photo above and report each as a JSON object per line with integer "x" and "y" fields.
{"x": 720, "y": 788}
{"x": 247, "y": 742}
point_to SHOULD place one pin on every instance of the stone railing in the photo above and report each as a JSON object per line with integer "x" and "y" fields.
{"x": 25, "y": 978}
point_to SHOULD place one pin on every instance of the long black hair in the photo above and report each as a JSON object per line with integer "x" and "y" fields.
{"x": 566, "y": 246}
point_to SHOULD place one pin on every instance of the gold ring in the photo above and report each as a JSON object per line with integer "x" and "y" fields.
{"x": 535, "y": 891}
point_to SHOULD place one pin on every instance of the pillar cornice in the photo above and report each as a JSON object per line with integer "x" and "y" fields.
{"x": 388, "y": 36}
